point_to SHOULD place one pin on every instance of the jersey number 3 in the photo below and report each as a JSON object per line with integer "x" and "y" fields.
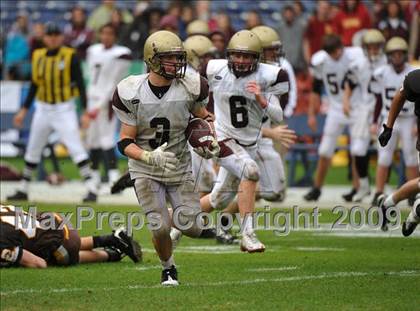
{"x": 162, "y": 126}
{"x": 238, "y": 111}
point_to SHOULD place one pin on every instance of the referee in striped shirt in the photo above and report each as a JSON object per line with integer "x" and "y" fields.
{"x": 56, "y": 81}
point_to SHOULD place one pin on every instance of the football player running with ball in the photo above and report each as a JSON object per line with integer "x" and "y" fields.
{"x": 154, "y": 110}
{"x": 244, "y": 93}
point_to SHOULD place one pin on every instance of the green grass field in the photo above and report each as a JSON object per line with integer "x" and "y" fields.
{"x": 306, "y": 270}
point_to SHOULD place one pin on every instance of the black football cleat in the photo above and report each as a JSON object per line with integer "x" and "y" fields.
{"x": 312, "y": 195}
{"x": 382, "y": 210}
{"x": 408, "y": 228}
{"x": 375, "y": 198}
{"x": 18, "y": 196}
{"x": 169, "y": 277}
{"x": 114, "y": 254}
{"x": 128, "y": 245}
{"x": 208, "y": 233}
{"x": 122, "y": 183}
{"x": 90, "y": 198}
{"x": 412, "y": 220}
{"x": 348, "y": 197}
{"x": 225, "y": 237}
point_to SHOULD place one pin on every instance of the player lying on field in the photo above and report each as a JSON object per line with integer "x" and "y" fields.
{"x": 25, "y": 242}
{"x": 409, "y": 92}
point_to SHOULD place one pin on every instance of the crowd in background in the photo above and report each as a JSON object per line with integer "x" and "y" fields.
{"x": 301, "y": 31}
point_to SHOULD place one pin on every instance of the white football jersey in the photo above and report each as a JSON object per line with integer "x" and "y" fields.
{"x": 106, "y": 67}
{"x": 159, "y": 120}
{"x": 237, "y": 113}
{"x": 386, "y": 81}
{"x": 360, "y": 74}
{"x": 332, "y": 72}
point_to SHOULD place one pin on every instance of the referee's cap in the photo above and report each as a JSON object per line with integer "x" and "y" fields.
{"x": 52, "y": 29}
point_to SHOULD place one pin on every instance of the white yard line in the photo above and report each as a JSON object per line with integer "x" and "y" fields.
{"x": 349, "y": 274}
{"x": 272, "y": 269}
{"x": 319, "y": 249}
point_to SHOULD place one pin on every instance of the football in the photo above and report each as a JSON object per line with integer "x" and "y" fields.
{"x": 199, "y": 133}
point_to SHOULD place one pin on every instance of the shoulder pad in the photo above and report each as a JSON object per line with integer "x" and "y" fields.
{"x": 353, "y": 52}
{"x": 214, "y": 66}
{"x": 267, "y": 74}
{"x": 128, "y": 87}
{"x": 121, "y": 50}
{"x": 318, "y": 58}
{"x": 191, "y": 82}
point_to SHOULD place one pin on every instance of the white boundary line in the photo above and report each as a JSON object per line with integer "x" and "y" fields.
{"x": 404, "y": 273}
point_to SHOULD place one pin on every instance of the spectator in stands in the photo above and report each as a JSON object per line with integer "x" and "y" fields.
{"x": 300, "y": 10}
{"x": 224, "y": 25}
{"x": 36, "y": 40}
{"x": 16, "y": 51}
{"x": 414, "y": 42}
{"x": 187, "y": 16}
{"x": 137, "y": 32}
{"x": 291, "y": 31}
{"x": 352, "y": 17}
{"x": 102, "y": 15}
{"x": 319, "y": 25}
{"x": 253, "y": 19}
{"x": 170, "y": 23}
{"x": 393, "y": 24}
{"x": 219, "y": 41}
{"x": 76, "y": 34}
{"x": 119, "y": 25}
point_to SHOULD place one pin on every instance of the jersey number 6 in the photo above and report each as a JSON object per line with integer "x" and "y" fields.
{"x": 238, "y": 111}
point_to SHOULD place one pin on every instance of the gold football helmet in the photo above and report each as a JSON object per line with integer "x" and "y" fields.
{"x": 396, "y": 44}
{"x": 271, "y": 44}
{"x": 198, "y": 48}
{"x": 165, "y": 43}
{"x": 243, "y": 42}
{"x": 373, "y": 43}
{"x": 197, "y": 27}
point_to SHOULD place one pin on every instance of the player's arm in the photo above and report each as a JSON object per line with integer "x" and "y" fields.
{"x": 314, "y": 101}
{"x": 396, "y": 106}
{"x": 280, "y": 133}
{"x": 127, "y": 143}
{"x": 349, "y": 85}
{"x": 20, "y": 115}
{"x": 30, "y": 260}
{"x": 77, "y": 77}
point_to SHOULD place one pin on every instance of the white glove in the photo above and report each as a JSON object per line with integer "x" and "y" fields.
{"x": 160, "y": 157}
{"x": 206, "y": 153}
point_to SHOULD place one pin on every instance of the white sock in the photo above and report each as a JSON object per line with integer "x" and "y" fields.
{"x": 389, "y": 201}
{"x": 168, "y": 263}
{"x": 24, "y": 186}
{"x": 364, "y": 182}
{"x": 113, "y": 175}
{"x": 247, "y": 224}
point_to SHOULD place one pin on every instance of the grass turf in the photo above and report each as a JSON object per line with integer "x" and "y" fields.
{"x": 302, "y": 271}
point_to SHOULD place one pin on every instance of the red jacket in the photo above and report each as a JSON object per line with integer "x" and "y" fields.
{"x": 347, "y": 23}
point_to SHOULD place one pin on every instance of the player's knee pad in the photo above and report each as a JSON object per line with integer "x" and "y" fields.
{"x": 359, "y": 147}
{"x": 251, "y": 170}
{"x": 410, "y": 158}
{"x": 327, "y": 146}
{"x": 186, "y": 219}
{"x": 385, "y": 158}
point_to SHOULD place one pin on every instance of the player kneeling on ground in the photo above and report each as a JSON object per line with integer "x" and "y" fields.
{"x": 26, "y": 241}
{"x": 154, "y": 110}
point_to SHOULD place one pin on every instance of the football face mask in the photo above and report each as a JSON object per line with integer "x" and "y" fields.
{"x": 172, "y": 65}
{"x": 242, "y": 63}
